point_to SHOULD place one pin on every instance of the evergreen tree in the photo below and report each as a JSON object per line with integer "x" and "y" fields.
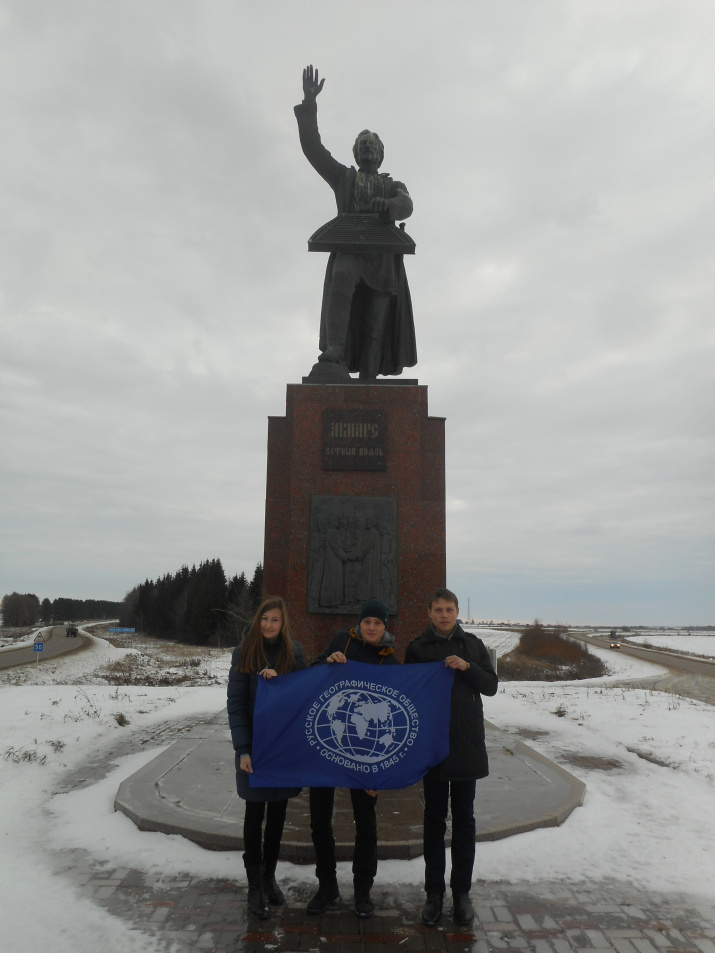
{"x": 207, "y": 599}
{"x": 20, "y": 610}
{"x": 180, "y": 602}
{"x": 255, "y": 588}
{"x": 66, "y": 609}
{"x": 194, "y": 605}
{"x": 238, "y": 605}
{"x": 128, "y": 610}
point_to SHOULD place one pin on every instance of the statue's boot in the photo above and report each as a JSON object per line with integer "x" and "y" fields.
{"x": 335, "y": 353}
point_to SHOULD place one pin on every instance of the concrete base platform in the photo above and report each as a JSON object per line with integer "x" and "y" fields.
{"x": 190, "y": 789}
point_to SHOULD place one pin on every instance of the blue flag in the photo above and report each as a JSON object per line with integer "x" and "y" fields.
{"x": 351, "y": 725}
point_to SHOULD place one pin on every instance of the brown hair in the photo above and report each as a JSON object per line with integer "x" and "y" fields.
{"x": 252, "y": 658}
{"x": 445, "y": 594}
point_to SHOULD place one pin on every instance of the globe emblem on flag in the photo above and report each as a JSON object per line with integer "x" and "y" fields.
{"x": 364, "y": 726}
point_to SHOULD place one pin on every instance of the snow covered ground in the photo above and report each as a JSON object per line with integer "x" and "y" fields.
{"x": 502, "y": 641}
{"x": 647, "y": 821}
{"x": 703, "y": 645}
{"x": 16, "y": 638}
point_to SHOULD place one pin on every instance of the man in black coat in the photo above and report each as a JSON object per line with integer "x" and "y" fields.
{"x": 368, "y": 642}
{"x": 454, "y": 779}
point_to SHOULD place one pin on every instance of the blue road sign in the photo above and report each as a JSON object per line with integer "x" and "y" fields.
{"x": 111, "y": 629}
{"x": 38, "y": 646}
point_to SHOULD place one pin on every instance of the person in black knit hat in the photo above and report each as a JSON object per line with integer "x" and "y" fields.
{"x": 368, "y": 642}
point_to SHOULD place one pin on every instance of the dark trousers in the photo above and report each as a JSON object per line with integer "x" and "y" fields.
{"x": 438, "y": 795}
{"x": 253, "y": 855}
{"x": 321, "y": 829}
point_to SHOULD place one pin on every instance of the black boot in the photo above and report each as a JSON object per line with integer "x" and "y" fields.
{"x": 257, "y": 905}
{"x": 273, "y": 892}
{"x": 432, "y": 910}
{"x": 463, "y": 909}
{"x": 364, "y": 907}
{"x": 327, "y": 895}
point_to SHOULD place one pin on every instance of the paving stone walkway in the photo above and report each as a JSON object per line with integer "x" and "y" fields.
{"x": 186, "y": 913}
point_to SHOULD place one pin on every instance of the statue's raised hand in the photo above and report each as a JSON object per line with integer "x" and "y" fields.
{"x": 311, "y": 84}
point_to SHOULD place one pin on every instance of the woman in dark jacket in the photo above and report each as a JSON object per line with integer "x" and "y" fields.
{"x": 368, "y": 642}
{"x": 266, "y": 651}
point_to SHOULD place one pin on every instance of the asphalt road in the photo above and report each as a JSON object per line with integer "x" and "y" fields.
{"x": 682, "y": 663}
{"x": 56, "y": 643}
{"x": 689, "y": 677}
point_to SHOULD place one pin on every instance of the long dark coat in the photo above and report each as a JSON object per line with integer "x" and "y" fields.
{"x": 399, "y": 346}
{"x": 242, "y": 688}
{"x": 467, "y": 758}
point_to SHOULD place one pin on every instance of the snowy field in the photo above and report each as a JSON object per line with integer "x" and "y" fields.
{"x": 647, "y": 821}
{"x": 15, "y": 638}
{"x": 497, "y": 639}
{"x": 703, "y": 645}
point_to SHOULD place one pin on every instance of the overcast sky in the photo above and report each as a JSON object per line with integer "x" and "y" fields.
{"x": 156, "y": 294}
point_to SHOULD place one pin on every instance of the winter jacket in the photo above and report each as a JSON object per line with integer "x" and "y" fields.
{"x": 242, "y": 689}
{"x": 354, "y": 649}
{"x": 467, "y": 758}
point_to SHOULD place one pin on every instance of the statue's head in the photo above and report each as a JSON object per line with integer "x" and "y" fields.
{"x": 368, "y": 151}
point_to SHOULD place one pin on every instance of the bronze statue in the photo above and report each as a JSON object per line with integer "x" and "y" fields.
{"x": 366, "y": 321}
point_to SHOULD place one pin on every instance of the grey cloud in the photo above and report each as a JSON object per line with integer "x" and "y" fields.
{"x": 157, "y": 295}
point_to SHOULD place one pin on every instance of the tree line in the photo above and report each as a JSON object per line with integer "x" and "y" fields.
{"x": 23, "y": 609}
{"x": 198, "y": 605}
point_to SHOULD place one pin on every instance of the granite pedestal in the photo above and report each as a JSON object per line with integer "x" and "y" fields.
{"x": 355, "y": 507}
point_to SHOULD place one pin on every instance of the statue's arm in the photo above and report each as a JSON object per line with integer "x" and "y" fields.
{"x": 398, "y": 206}
{"x": 400, "y": 203}
{"x": 367, "y": 547}
{"x": 333, "y": 544}
{"x": 307, "y": 115}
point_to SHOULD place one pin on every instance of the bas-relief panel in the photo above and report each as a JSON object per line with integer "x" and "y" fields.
{"x": 353, "y": 553}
